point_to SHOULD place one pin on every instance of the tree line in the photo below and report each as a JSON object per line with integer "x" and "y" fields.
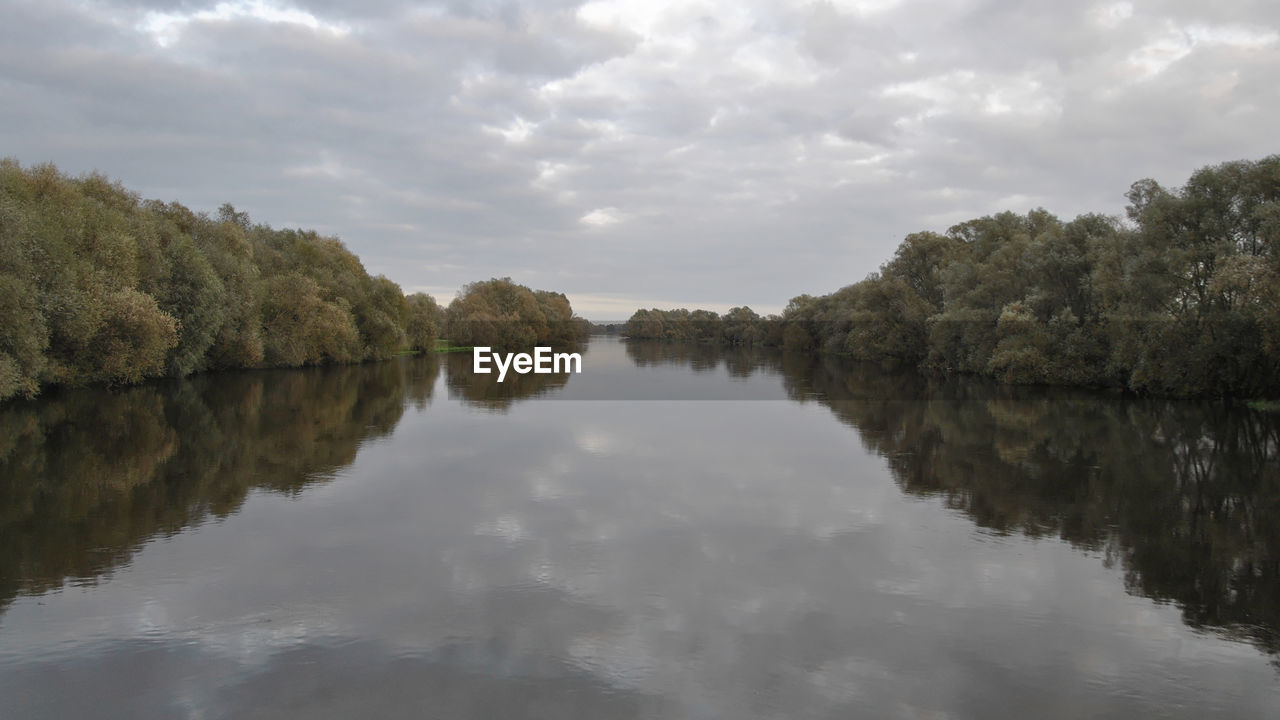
{"x": 501, "y": 314}
{"x": 100, "y": 286}
{"x": 1181, "y": 297}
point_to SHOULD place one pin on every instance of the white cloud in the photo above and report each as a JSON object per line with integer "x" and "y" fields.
{"x": 325, "y": 168}
{"x": 602, "y": 217}
{"x": 1176, "y": 42}
{"x": 517, "y": 131}
{"x": 165, "y": 28}
{"x": 1111, "y": 15}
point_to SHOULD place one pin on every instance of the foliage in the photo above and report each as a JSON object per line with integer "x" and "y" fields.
{"x": 739, "y": 326}
{"x": 1181, "y": 298}
{"x": 500, "y": 314}
{"x": 99, "y": 286}
{"x": 423, "y": 319}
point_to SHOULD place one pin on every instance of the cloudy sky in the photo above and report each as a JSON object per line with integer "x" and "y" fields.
{"x": 640, "y": 152}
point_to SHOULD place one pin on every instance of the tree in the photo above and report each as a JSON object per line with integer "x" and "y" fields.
{"x": 424, "y": 317}
{"x": 501, "y": 314}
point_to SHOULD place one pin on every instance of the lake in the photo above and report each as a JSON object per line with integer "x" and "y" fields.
{"x": 674, "y": 533}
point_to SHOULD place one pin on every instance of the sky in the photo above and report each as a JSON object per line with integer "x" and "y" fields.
{"x": 637, "y": 153}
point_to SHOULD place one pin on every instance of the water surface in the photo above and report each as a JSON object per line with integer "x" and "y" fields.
{"x": 675, "y": 533}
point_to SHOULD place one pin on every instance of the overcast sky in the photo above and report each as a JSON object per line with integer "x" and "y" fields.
{"x": 638, "y": 152}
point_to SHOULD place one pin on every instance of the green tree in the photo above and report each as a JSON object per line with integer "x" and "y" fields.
{"x": 424, "y": 319}
{"x": 501, "y": 314}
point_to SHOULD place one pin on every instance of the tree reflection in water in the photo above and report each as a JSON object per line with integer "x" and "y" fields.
{"x": 484, "y": 391}
{"x": 1184, "y": 498}
{"x": 88, "y": 476}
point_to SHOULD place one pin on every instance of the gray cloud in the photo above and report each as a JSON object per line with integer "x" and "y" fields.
{"x": 699, "y": 153}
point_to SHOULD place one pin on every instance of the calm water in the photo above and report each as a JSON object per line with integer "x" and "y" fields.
{"x": 674, "y": 533}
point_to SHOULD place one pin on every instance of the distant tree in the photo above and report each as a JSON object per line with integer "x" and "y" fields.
{"x": 424, "y": 320}
{"x": 1184, "y": 299}
{"x": 741, "y": 326}
{"x": 501, "y": 314}
{"x": 381, "y": 315}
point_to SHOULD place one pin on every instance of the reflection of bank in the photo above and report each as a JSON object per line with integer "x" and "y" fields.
{"x": 87, "y": 476}
{"x": 1185, "y": 497}
{"x": 702, "y": 357}
{"x": 484, "y": 390}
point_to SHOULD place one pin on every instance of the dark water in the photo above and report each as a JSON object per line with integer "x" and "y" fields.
{"x": 677, "y": 533}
